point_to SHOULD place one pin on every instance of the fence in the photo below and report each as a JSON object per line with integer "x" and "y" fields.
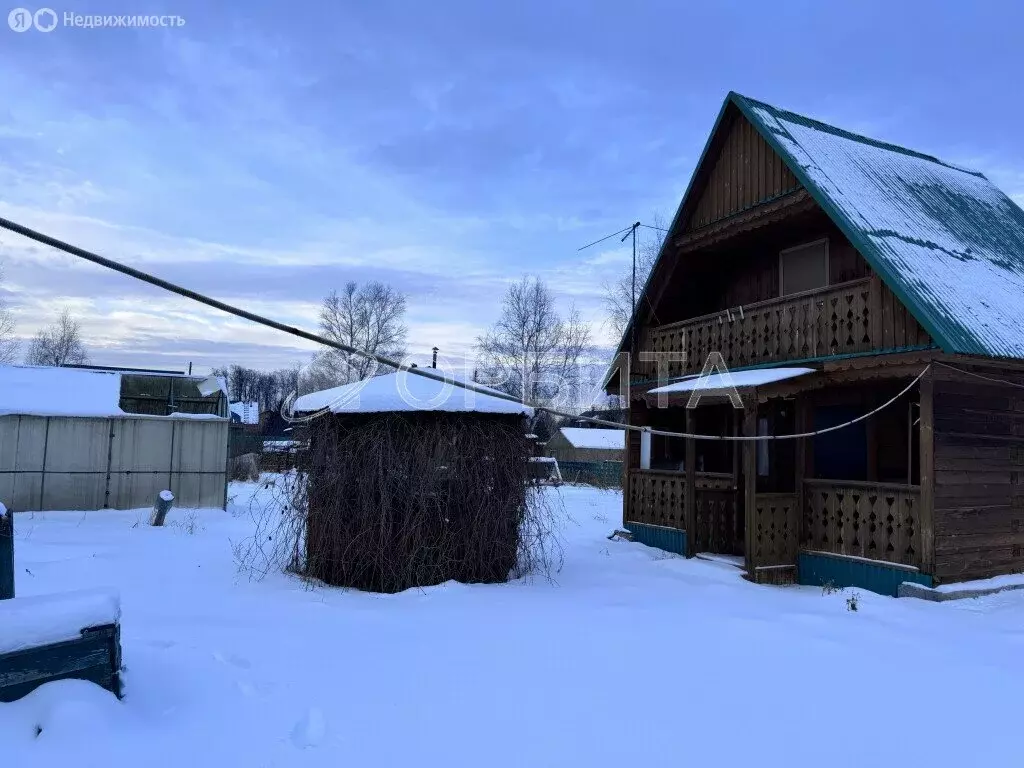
{"x": 602, "y": 473}
{"x": 82, "y": 463}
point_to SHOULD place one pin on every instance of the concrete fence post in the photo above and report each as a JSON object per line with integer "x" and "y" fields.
{"x": 6, "y": 553}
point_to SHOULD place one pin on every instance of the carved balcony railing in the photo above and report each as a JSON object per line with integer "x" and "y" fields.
{"x": 857, "y": 316}
{"x": 863, "y": 519}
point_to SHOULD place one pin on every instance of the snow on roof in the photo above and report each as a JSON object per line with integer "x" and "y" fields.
{"x": 601, "y": 439}
{"x": 248, "y": 413}
{"x": 401, "y": 391}
{"x": 30, "y": 390}
{"x": 947, "y": 241}
{"x": 738, "y": 379}
{"x": 42, "y": 391}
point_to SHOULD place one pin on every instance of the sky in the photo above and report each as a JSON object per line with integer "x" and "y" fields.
{"x": 268, "y": 152}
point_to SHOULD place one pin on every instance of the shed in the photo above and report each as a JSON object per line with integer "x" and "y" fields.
{"x": 82, "y": 439}
{"x": 585, "y": 444}
{"x": 412, "y": 482}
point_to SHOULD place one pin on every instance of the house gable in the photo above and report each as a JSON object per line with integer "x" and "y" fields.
{"x": 947, "y": 245}
{"x": 741, "y": 171}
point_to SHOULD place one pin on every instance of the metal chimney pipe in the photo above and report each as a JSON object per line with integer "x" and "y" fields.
{"x": 434, "y": 363}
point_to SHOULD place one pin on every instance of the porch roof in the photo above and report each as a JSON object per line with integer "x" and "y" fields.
{"x": 736, "y": 379}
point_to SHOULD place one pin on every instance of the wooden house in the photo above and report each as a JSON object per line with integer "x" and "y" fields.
{"x": 837, "y": 276}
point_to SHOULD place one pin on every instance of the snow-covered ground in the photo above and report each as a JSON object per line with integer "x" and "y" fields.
{"x": 633, "y": 657}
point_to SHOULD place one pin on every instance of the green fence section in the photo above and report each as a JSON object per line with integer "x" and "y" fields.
{"x": 668, "y": 539}
{"x": 603, "y": 473}
{"x": 819, "y": 570}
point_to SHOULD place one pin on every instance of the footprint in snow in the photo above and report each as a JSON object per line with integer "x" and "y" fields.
{"x": 310, "y": 730}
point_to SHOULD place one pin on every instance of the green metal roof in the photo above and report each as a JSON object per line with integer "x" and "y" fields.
{"x": 946, "y": 241}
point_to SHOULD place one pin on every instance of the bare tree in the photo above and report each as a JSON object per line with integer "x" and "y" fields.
{"x": 533, "y": 352}
{"x": 618, "y": 293}
{"x": 8, "y": 342}
{"x": 369, "y": 318}
{"x": 60, "y": 344}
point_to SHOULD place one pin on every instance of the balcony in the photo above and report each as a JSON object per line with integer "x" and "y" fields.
{"x": 857, "y": 316}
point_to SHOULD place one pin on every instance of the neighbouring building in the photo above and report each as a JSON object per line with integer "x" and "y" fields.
{"x": 586, "y": 444}
{"x": 80, "y": 439}
{"x": 853, "y": 286}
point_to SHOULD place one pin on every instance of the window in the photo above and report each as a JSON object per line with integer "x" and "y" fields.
{"x": 803, "y": 268}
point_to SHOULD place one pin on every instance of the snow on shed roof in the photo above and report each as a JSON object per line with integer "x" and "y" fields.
{"x": 31, "y": 390}
{"x": 948, "y": 242}
{"x": 601, "y": 439}
{"x": 405, "y": 392}
{"x": 41, "y": 391}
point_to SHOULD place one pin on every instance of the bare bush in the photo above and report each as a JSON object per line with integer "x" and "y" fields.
{"x": 246, "y": 467}
{"x": 387, "y": 502}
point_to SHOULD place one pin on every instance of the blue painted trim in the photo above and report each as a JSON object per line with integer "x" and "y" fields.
{"x": 668, "y": 539}
{"x": 817, "y": 570}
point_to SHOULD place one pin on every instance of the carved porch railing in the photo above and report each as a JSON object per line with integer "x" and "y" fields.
{"x": 658, "y": 497}
{"x": 773, "y": 534}
{"x": 718, "y": 526}
{"x": 863, "y": 519}
{"x": 856, "y": 316}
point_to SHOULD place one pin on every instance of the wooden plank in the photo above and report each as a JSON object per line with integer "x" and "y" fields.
{"x": 926, "y": 459}
{"x": 7, "y": 555}
{"x": 749, "y": 482}
{"x": 690, "y": 491}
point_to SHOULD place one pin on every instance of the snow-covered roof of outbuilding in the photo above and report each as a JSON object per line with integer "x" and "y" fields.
{"x": 42, "y": 391}
{"x": 601, "y": 439}
{"x": 946, "y": 240}
{"x": 30, "y": 390}
{"x": 401, "y": 391}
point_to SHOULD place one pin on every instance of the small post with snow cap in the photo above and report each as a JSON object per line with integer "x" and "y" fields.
{"x": 164, "y": 500}
{"x": 434, "y": 363}
{"x": 6, "y": 553}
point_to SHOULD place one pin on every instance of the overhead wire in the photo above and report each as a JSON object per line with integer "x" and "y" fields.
{"x": 429, "y": 373}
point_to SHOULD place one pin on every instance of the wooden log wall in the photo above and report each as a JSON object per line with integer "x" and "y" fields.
{"x": 978, "y": 466}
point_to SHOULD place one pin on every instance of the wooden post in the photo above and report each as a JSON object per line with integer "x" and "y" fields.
{"x": 926, "y": 515}
{"x": 871, "y": 435}
{"x": 690, "y": 491}
{"x": 803, "y": 424}
{"x": 164, "y": 500}
{"x": 750, "y": 483}
{"x": 737, "y": 492}
{"x": 6, "y": 553}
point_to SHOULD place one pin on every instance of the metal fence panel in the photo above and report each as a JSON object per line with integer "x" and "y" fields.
{"x": 22, "y": 440}
{"x": 56, "y": 463}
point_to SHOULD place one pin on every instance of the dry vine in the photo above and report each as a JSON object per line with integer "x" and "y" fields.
{"x": 385, "y": 502}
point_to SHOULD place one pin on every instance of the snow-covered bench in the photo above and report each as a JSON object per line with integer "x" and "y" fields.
{"x": 55, "y": 637}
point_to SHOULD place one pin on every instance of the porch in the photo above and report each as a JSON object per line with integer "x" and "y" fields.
{"x": 804, "y": 508}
